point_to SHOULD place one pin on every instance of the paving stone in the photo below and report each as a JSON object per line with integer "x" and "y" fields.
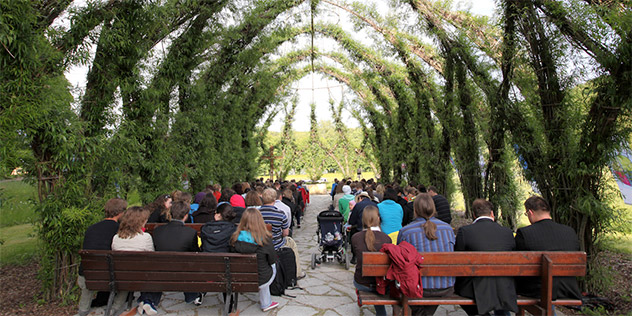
{"x": 293, "y": 310}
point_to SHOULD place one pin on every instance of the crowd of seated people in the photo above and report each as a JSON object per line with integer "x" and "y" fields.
{"x": 376, "y": 214}
{"x": 234, "y": 220}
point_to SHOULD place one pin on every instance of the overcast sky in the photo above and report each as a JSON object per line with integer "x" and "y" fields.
{"x": 324, "y": 89}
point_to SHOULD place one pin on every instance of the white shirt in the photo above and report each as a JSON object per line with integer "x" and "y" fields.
{"x": 283, "y": 207}
{"x": 483, "y": 217}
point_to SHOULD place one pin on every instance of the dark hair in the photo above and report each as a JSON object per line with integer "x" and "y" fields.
{"x": 537, "y": 204}
{"x": 226, "y": 211}
{"x": 422, "y": 188}
{"x": 227, "y": 193}
{"x": 238, "y": 188}
{"x": 159, "y": 205}
{"x": 180, "y": 209}
{"x": 114, "y": 207}
{"x": 208, "y": 203}
{"x": 424, "y": 207}
{"x": 433, "y": 189}
{"x": 390, "y": 194}
{"x": 482, "y": 207}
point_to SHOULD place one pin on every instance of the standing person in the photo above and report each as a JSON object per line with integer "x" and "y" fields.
{"x": 159, "y": 209}
{"x": 333, "y": 189}
{"x": 442, "y": 205}
{"x": 546, "y": 235}
{"x": 99, "y": 237}
{"x": 391, "y": 213}
{"x": 288, "y": 199}
{"x": 175, "y": 236}
{"x": 300, "y": 203}
{"x": 371, "y": 238}
{"x": 489, "y": 293}
{"x": 428, "y": 234}
{"x": 252, "y": 236}
{"x": 216, "y": 234}
{"x": 130, "y": 237}
{"x": 339, "y": 194}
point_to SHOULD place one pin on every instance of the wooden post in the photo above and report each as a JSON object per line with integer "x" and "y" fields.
{"x": 271, "y": 157}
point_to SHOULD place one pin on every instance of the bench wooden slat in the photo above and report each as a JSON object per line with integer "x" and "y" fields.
{"x": 170, "y": 276}
{"x": 484, "y": 257}
{"x": 490, "y": 270}
{"x": 172, "y": 286}
{"x": 370, "y": 298}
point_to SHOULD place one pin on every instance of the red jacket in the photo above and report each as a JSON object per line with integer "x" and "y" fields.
{"x": 405, "y": 263}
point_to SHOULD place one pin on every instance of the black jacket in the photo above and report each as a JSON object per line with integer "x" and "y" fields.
{"x": 266, "y": 256}
{"x": 216, "y": 236}
{"x": 175, "y": 237}
{"x": 443, "y": 208}
{"x": 355, "y": 218}
{"x": 547, "y": 235}
{"x": 409, "y": 213}
{"x": 490, "y": 293}
{"x": 293, "y": 207}
{"x": 202, "y": 215}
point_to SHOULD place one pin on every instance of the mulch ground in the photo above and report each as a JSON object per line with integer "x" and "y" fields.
{"x": 20, "y": 290}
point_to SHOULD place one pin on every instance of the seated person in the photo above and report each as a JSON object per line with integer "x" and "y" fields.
{"x": 428, "y": 234}
{"x": 391, "y": 212}
{"x": 546, "y": 235}
{"x": 216, "y": 234}
{"x": 99, "y": 237}
{"x": 130, "y": 237}
{"x": 252, "y": 236}
{"x": 496, "y": 294}
{"x": 175, "y": 236}
{"x": 206, "y": 210}
{"x": 369, "y": 239}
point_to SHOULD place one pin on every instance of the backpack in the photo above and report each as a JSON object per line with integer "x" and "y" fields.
{"x": 285, "y": 272}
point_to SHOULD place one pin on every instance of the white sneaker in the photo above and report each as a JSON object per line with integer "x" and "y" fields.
{"x": 141, "y": 308}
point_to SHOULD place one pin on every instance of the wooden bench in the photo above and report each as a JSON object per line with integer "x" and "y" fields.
{"x": 149, "y": 227}
{"x": 462, "y": 264}
{"x": 113, "y": 271}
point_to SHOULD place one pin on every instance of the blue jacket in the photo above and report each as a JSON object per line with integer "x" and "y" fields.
{"x": 391, "y": 215}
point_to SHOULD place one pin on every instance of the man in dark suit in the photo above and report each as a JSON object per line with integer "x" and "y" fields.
{"x": 175, "y": 236}
{"x": 545, "y": 235}
{"x": 490, "y": 293}
{"x": 442, "y": 205}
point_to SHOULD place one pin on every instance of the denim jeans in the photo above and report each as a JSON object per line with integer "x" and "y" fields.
{"x": 265, "y": 298}
{"x": 380, "y": 310}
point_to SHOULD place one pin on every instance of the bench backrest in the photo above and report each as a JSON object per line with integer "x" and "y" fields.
{"x": 149, "y": 227}
{"x": 482, "y": 263}
{"x": 170, "y": 271}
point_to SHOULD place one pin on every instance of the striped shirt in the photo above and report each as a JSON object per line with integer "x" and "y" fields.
{"x": 278, "y": 220}
{"x": 415, "y": 235}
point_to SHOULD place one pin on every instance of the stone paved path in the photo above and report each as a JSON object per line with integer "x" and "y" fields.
{"x": 328, "y": 290}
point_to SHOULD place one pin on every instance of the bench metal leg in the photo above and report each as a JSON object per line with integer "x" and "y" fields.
{"x": 108, "y": 309}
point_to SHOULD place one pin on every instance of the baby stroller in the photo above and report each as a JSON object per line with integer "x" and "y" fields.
{"x": 332, "y": 239}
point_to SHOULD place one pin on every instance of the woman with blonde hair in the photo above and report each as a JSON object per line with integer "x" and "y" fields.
{"x": 130, "y": 237}
{"x": 369, "y": 239}
{"x": 429, "y": 234}
{"x": 252, "y": 236}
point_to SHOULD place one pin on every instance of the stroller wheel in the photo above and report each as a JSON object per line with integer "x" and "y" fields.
{"x": 313, "y": 261}
{"x": 347, "y": 260}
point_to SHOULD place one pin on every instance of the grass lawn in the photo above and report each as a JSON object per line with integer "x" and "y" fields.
{"x": 18, "y": 244}
{"x": 16, "y": 203}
